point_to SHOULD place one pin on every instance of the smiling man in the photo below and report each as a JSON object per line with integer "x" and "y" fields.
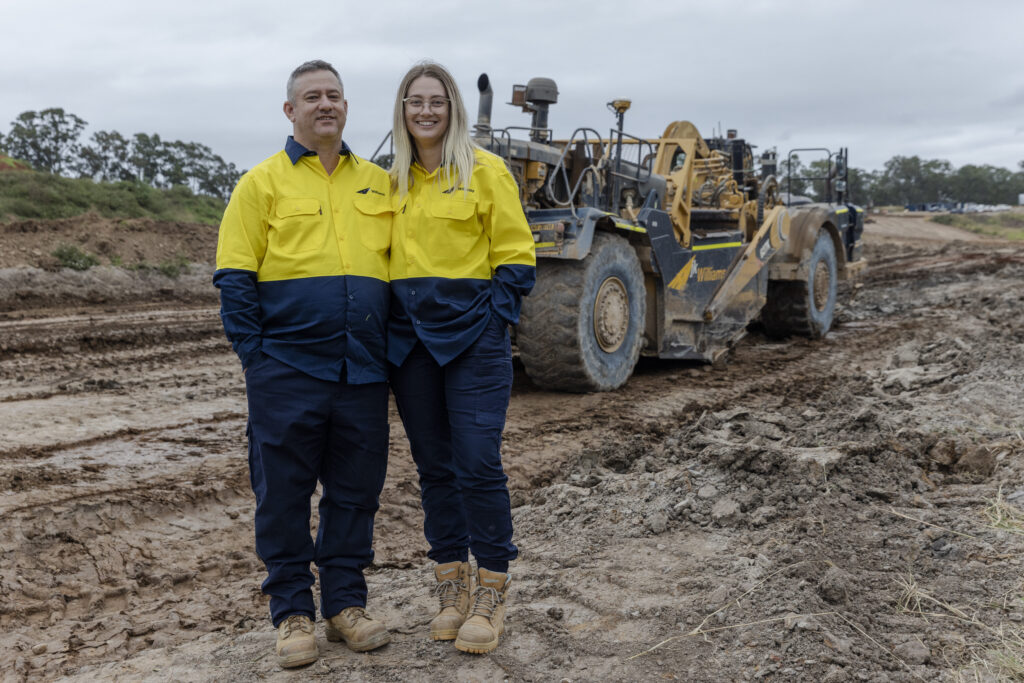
{"x": 302, "y": 268}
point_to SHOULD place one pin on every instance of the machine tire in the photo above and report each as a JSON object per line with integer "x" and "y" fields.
{"x": 581, "y": 328}
{"x": 804, "y": 307}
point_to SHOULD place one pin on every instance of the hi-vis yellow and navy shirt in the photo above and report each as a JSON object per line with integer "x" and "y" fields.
{"x": 459, "y": 256}
{"x": 302, "y": 265}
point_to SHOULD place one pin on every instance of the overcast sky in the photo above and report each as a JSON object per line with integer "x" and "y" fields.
{"x": 937, "y": 79}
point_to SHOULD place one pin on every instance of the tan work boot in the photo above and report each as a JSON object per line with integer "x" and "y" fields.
{"x": 453, "y": 579}
{"x": 296, "y": 642}
{"x": 360, "y": 631}
{"x": 486, "y": 613}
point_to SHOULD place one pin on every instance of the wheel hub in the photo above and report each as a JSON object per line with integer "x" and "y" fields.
{"x": 821, "y": 285}
{"x": 611, "y": 314}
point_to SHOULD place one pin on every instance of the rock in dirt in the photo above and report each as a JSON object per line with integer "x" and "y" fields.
{"x": 837, "y": 643}
{"x": 801, "y": 622}
{"x": 707, "y": 491}
{"x": 725, "y": 510}
{"x": 913, "y": 652}
{"x": 833, "y": 586}
{"x": 763, "y": 515}
{"x": 717, "y": 597}
{"x": 657, "y": 522}
{"x": 945, "y": 452}
{"x": 977, "y": 460}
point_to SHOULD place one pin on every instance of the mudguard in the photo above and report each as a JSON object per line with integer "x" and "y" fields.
{"x": 562, "y": 234}
{"x": 844, "y": 225}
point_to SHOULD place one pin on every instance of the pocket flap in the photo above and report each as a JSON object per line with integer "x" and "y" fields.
{"x": 373, "y": 205}
{"x": 458, "y": 209}
{"x": 297, "y": 206}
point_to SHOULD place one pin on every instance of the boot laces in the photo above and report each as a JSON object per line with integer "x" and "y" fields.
{"x": 296, "y": 622}
{"x": 354, "y": 614}
{"x": 485, "y": 601}
{"x": 448, "y": 592}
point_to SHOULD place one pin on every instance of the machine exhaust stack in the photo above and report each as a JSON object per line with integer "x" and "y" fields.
{"x": 483, "y": 116}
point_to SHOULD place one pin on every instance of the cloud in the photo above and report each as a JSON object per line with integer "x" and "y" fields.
{"x": 1014, "y": 100}
{"x": 883, "y": 78}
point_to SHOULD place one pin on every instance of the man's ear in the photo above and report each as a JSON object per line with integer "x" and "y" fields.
{"x": 289, "y": 111}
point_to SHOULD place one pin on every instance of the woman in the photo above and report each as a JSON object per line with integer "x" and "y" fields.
{"x": 461, "y": 259}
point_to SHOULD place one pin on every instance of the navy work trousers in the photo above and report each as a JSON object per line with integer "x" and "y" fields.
{"x": 302, "y": 429}
{"x": 454, "y": 416}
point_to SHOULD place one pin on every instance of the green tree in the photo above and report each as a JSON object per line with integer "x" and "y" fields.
{"x": 146, "y": 157}
{"x": 221, "y": 178}
{"x": 173, "y": 159}
{"x": 107, "y": 158}
{"x": 909, "y": 180}
{"x": 984, "y": 185}
{"x": 47, "y": 139}
{"x": 861, "y": 186}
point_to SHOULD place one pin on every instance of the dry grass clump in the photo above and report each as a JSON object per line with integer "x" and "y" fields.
{"x": 1004, "y": 515}
{"x": 997, "y": 654}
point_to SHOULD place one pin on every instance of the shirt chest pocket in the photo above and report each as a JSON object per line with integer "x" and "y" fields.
{"x": 373, "y": 222}
{"x": 458, "y": 228}
{"x": 299, "y": 226}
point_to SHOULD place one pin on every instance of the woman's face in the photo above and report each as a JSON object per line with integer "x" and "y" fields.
{"x": 427, "y": 122}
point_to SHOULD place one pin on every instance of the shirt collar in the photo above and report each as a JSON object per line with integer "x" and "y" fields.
{"x": 296, "y": 151}
{"x": 418, "y": 169}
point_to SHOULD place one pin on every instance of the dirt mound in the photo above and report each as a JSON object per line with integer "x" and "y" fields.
{"x": 127, "y": 242}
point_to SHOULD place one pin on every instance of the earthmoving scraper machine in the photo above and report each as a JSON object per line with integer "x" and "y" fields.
{"x": 668, "y": 247}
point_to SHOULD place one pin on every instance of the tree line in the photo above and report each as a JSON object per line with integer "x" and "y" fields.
{"x": 50, "y": 140}
{"x": 912, "y": 181}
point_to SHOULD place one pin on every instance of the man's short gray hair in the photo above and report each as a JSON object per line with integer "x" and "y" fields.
{"x": 308, "y": 67}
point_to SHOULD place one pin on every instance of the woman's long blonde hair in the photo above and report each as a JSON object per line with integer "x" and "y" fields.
{"x": 458, "y": 151}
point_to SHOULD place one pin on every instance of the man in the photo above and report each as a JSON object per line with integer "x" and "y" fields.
{"x": 302, "y": 268}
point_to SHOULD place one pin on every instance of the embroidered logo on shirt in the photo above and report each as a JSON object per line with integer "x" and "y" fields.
{"x": 460, "y": 189}
{"x": 366, "y": 190}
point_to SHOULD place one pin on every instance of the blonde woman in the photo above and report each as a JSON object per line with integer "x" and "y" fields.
{"x": 462, "y": 258}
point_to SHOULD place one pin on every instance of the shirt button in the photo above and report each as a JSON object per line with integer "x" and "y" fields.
{"x": 348, "y": 327}
{"x": 417, "y": 322}
{"x": 412, "y": 292}
{"x": 351, "y": 297}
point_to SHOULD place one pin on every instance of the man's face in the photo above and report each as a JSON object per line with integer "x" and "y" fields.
{"x": 317, "y": 110}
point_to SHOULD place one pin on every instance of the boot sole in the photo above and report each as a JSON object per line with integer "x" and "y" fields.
{"x": 450, "y": 634}
{"x": 476, "y": 648}
{"x": 298, "y": 659}
{"x": 371, "y": 643}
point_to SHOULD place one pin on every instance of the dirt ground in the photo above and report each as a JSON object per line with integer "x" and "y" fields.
{"x": 840, "y": 510}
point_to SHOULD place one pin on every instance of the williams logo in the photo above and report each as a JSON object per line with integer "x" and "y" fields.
{"x": 368, "y": 190}
{"x": 710, "y": 274}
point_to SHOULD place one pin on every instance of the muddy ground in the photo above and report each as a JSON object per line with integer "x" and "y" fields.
{"x": 847, "y": 509}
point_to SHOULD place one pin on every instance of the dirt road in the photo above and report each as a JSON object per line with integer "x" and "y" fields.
{"x": 848, "y": 509}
